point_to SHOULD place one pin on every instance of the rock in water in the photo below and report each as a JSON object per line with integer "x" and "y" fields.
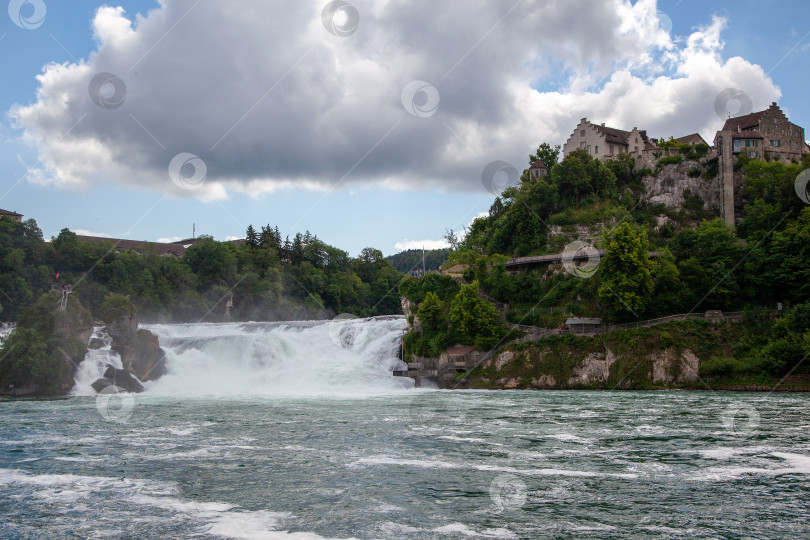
{"x": 100, "y": 384}
{"x": 146, "y": 360}
{"x": 96, "y": 343}
{"x": 140, "y": 349}
{"x": 123, "y": 379}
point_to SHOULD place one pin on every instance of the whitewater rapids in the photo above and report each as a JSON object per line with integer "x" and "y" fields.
{"x": 348, "y": 357}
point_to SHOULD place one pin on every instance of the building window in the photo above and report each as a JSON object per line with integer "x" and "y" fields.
{"x": 756, "y": 143}
{"x": 596, "y": 149}
{"x": 611, "y": 149}
{"x": 582, "y": 144}
{"x": 747, "y": 143}
{"x": 753, "y": 153}
{"x": 582, "y": 133}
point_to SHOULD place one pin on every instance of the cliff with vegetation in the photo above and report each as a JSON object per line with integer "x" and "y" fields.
{"x": 629, "y": 210}
{"x": 41, "y": 356}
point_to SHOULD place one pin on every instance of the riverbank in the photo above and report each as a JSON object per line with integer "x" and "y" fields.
{"x": 689, "y": 355}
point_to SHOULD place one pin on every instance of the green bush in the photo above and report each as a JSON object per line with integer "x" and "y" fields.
{"x": 116, "y": 306}
{"x": 669, "y": 160}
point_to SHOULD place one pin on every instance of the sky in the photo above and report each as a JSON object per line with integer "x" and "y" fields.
{"x": 368, "y": 123}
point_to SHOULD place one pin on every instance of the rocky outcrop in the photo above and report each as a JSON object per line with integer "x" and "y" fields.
{"x": 544, "y": 367}
{"x": 409, "y": 309}
{"x": 139, "y": 349}
{"x": 594, "y": 368}
{"x": 120, "y": 378}
{"x": 42, "y": 354}
{"x": 668, "y": 186}
{"x": 669, "y": 366}
{"x": 146, "y": 360}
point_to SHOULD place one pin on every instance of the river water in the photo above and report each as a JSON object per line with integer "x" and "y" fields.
{"x": 299, "y": 431}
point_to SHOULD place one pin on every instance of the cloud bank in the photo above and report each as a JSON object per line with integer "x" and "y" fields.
{"x": 409, "y": 95}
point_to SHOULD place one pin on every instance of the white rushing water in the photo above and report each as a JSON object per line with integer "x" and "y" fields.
{"x": 340, "y": 357}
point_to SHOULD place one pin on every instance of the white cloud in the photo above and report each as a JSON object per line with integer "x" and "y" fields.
{"x": 85, "y": 232}
{"x": 286, "y": 104}
{"x": 419, "y": 244}
{"x": 169, "y": 240}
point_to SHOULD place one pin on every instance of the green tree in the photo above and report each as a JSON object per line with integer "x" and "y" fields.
{"x": 625, "y": 273}
{"x": 251, "y": 237}
{"x": 431, "y": 313}
{"x": 473, "y": 321}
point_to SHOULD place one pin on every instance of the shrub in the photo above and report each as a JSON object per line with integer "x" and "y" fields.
{"x": 116, "y": 306}
{"x": 669, "y": 160}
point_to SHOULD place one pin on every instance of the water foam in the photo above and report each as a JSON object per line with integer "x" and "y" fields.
{"x": 347, "y": 357}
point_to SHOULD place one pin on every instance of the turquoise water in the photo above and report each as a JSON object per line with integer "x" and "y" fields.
{"x": 408, "y": 464}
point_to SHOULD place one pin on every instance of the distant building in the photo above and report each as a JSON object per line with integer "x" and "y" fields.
{"x": 13, "y": 216}
{"x": 175, "y": 249}
{"x": 538, "y": 170}
{"x": 762, "y": 133}
{"x": 694, "y": 139}
{"x": 583, "y": 326}
{"x": 601, "y": 141}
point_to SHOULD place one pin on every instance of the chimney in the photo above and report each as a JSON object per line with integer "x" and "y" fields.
{"x": 583, "y": 120}
{"x": 603, "y": 124}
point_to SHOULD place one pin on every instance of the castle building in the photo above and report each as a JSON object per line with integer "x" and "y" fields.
{"x": 14, "y": 216}
{"x": 538, "y": 169}
{"x": 763, "y": 134}
{"x": 605, "y": 142}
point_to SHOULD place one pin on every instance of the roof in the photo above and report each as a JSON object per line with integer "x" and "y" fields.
{"x": 538, "y": 164}
{"x": 460, "y": 349}
{"x": 138, "y": 245}
{"x": 743, "y": 122}
{"x": 583, "y": 321}
{"x": 693, "y": 139}
{"x": 8, "y": 213}
{"x": 746, "y": 135}
{"x": 612, "y": 135}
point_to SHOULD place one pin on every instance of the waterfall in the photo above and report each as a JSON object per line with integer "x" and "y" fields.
{"x": 338, "y": 357}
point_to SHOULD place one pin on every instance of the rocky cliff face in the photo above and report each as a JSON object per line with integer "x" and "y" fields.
{"x": 409, "y": 309}
{"x": 540, "y": 368}
{"x": 669, "y": 185}
{"x": 140, "y": 350}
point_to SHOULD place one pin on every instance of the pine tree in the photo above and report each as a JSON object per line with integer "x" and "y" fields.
{"x": 251, "y": 238}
